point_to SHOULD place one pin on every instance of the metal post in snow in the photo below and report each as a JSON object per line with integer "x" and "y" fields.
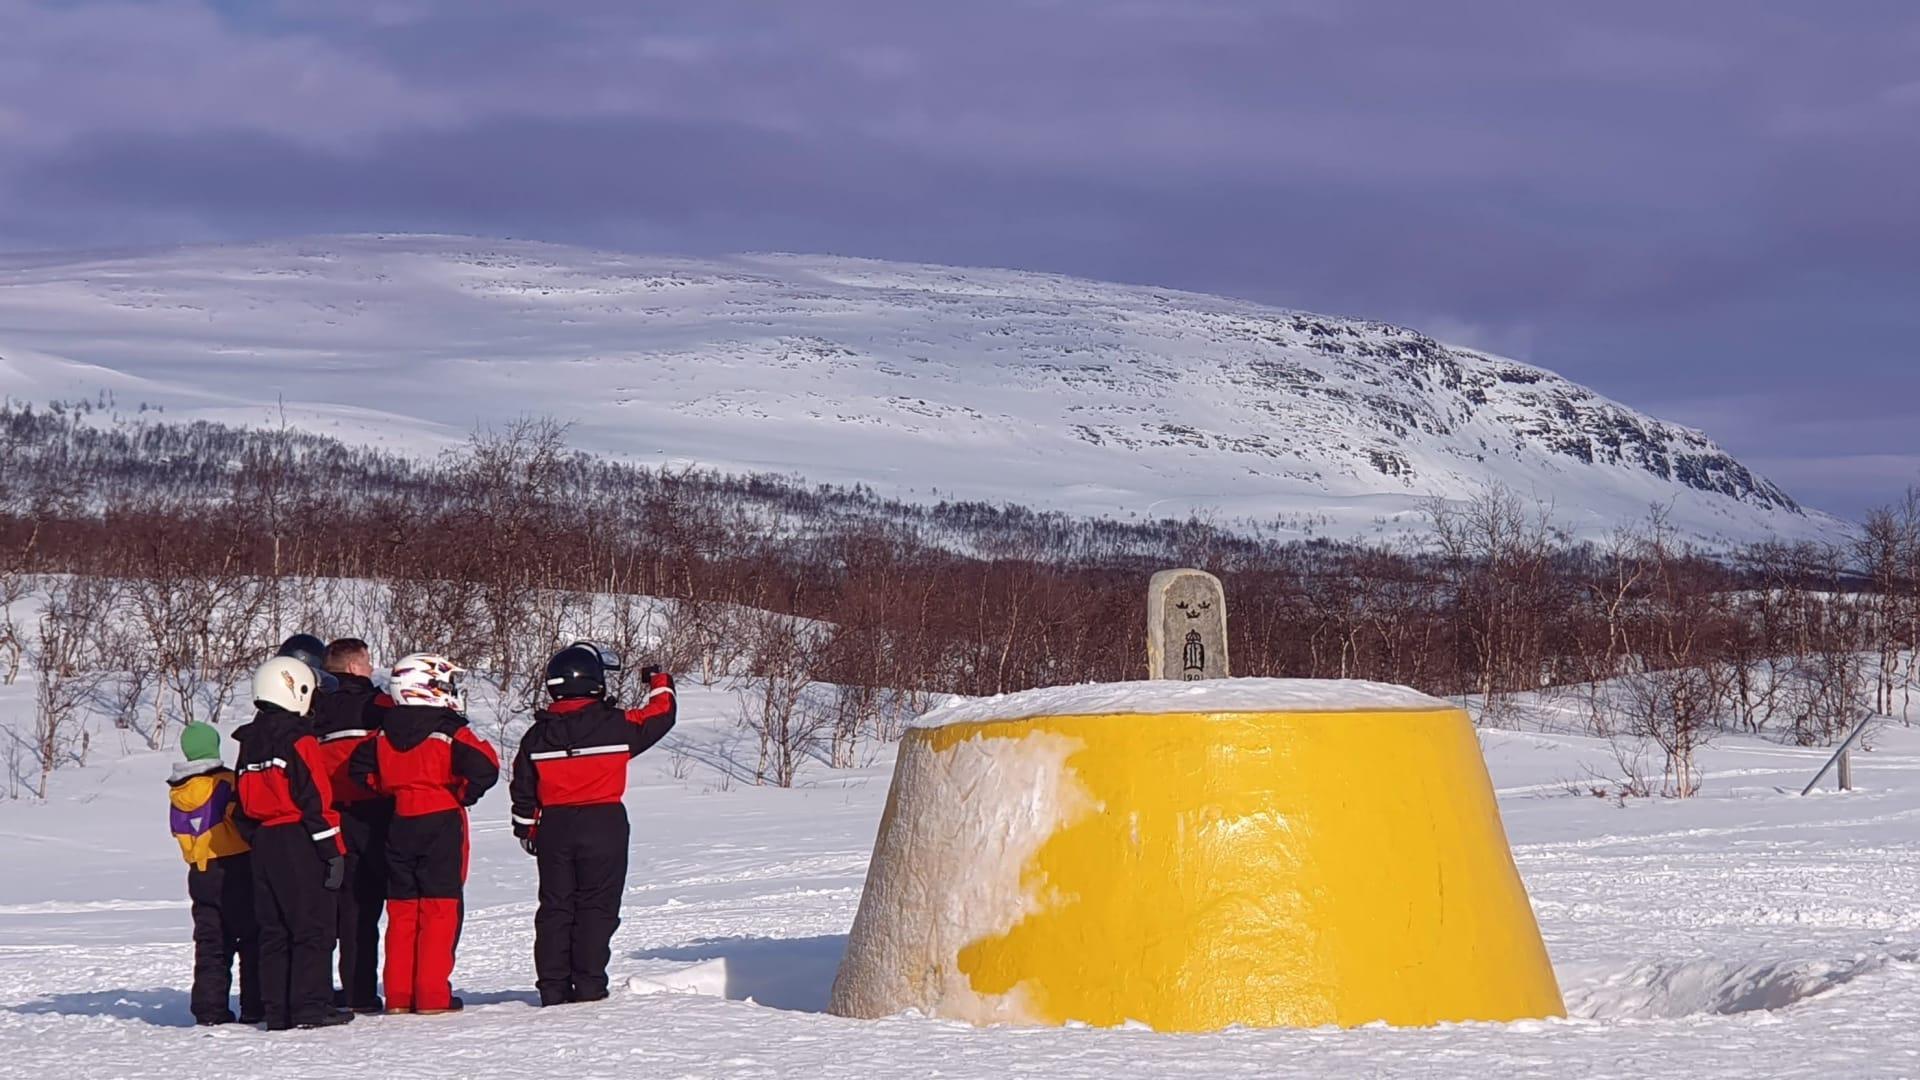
{"x": 1842, "y": 757}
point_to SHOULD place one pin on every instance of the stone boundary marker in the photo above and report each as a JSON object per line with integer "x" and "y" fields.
{"x": 1186, "y": 626}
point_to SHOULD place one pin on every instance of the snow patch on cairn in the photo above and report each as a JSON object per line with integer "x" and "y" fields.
{"x": 1163, "y": 696}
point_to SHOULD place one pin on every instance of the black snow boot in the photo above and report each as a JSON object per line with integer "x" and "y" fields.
{"x": 327, "y": 1019}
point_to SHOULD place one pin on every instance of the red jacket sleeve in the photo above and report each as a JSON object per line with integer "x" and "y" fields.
{"x": 655, "y": 716}
{"x": 312, "y": 792}
{"x": 476, "y": 766}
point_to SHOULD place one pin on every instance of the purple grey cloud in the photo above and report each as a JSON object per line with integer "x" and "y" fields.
{"x": 1704, "y": 209}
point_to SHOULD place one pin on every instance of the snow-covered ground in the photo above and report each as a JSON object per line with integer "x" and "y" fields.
{"x": 920, "y": 381}
{"x": 1746, "y": 932}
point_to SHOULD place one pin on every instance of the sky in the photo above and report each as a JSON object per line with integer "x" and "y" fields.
{"x": 1708, "y": 210}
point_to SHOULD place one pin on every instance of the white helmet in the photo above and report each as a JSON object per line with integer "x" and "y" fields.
{"x": 285, "y": 682}
{"x": 427, "y": 679}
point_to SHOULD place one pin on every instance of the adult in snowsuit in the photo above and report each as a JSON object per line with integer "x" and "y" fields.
{"x": 343, "y": 721}
{"x": 200, "y": 795}
{"x": 568, "y": 781}
{"x": 433, "y": 766}
{"x": 286, "y": 813}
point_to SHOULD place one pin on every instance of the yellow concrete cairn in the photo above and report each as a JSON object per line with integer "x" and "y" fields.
{"x": 1192, "y": 870}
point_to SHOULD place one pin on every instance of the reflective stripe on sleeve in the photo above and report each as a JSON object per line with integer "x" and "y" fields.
{"x": 442, "y": 736}
{"x": 326, "y": 833}
{"x": 581, "y": 751}
{"x": 263, "y": 766}
{"x": 518, "y": 820}
{"x": 349, "y": 733}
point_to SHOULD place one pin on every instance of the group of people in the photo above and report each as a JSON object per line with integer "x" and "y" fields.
{"x": 346, "y": 799}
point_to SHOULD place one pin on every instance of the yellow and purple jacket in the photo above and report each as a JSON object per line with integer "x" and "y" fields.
{"x": 202, "y": 817}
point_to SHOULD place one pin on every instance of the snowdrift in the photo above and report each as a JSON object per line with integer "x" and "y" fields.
{"x": 1193, "y": 856}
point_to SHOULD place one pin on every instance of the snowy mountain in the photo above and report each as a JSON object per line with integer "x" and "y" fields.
{"x": 917, "y": 380}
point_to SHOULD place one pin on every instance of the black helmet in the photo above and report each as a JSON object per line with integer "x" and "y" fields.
{"x": 312, "y": 652}
{"x": 580, "y": 670}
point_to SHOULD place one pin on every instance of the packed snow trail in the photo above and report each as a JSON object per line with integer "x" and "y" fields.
{"x": 1746, "y": 932}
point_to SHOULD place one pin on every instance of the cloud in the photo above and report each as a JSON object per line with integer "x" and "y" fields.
{"x": 71, "y": 71}
{"x": 1663, "y": 200}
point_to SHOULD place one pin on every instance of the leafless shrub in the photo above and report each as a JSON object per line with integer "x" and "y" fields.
{"x": 1827, "y": 692}
{"x": 1630, "y": 778}
{"x": 1672, "y": 710}
{"x": 774, "y": 701}
{"x": 631, "y": 628}
{"x": 853, "y": 710}
{"x": 679, "y": 761}
{"x": 1496, "y": 556}
{"x": 67, "y": 668}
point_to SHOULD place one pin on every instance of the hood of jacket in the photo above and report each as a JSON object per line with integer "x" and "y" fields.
{"x": 407, "y": 726}
{"x": 184, "y": 771}
{"x": 355, "y": 688}
{"x": 272, "y": 724}
{"x": 352, "y": 705}
{"x": 570, "y": 718}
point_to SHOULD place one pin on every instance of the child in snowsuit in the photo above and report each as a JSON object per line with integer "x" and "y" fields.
{"x": 433, "y": 766}
{"x": 219, "y": 880}
{"x": 568, "y": 781}
{"x": 286, "y": 814}
{"x": 343, "y": 721}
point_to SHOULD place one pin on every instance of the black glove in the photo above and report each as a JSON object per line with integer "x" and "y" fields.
{"x": 336, "y": 873}
{"x": 527, "y": 844}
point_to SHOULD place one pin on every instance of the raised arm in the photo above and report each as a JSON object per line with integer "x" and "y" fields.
{"x": 655, "y": 716}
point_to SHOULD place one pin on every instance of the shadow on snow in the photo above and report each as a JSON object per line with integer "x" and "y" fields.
{"x": 158, "y": 1007}
{"x": 795, "y": 974}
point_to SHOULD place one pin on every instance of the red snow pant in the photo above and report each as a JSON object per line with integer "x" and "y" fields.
{"x": 426, "y": 873}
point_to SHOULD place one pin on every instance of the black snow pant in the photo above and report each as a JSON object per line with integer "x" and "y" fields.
{"x": 364, "y": 825}
{"x": 224, "y": 927}
{"x": 296, "y": 915}
{"x": 583, "y": 872}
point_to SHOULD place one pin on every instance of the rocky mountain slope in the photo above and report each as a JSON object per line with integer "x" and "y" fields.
{"x": 919, "y": 380}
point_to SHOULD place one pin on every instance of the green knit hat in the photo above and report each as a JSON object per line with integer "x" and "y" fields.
{"x": 200, "y": 742}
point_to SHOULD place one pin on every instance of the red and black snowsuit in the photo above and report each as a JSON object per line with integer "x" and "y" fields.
{"x": 343, "y": 720}
{"x": 286, "y": 813}
{"x": 433, "y": 767}
{"x": 568, "y": 780}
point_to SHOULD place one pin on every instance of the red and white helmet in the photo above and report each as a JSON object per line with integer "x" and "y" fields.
{"x": 427, "y": 679}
